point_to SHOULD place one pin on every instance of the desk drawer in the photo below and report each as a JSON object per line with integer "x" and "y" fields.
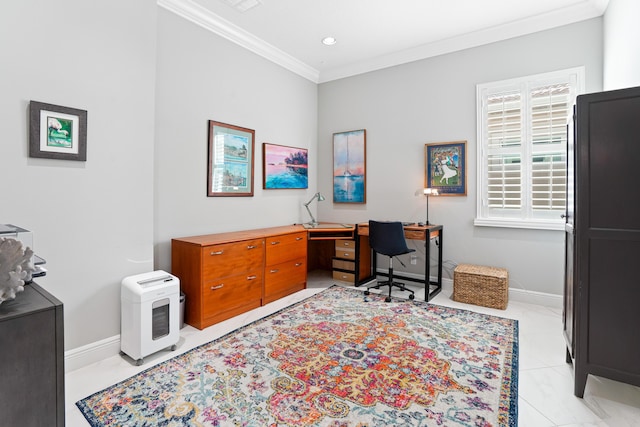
{"x": 345, "y": 244}
{"x": 344, "y": 277}
{"x": 285, "y": 278}
{"x": 285, "y": 247}
{"x": 341, "y": 264}
{"x": 222, "y": 297}
{"x": 232, "y": 258}
{"x": 415, "y": 234}
{"x": 346, "y": 253}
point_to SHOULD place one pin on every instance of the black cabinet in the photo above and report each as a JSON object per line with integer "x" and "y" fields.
{"x": 602, "y": 275}
{"x": 32, "y": 359}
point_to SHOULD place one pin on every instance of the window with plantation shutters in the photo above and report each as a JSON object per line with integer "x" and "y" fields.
{"x": 522, "y": 140}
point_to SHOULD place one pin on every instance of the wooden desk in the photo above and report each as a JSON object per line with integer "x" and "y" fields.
{"x": 412, "y": 232}
{"x": 225, "y": 274}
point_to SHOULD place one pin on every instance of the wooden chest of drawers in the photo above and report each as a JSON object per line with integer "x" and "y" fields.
{"x": 231, "y": 279}
{"x": 286, "y": 265}
{"x": 223, "y": 275}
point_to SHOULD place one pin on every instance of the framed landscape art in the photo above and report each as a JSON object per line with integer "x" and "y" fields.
{"x": 57, "y": 132}
{"x": 230, "y": 160}
{"x": 284, "y": 167}
{"x": 349, "y": 166}
{"x": 446, "y": 168}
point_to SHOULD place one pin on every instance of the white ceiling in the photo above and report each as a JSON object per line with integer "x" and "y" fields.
{"x": 374, "y": 34}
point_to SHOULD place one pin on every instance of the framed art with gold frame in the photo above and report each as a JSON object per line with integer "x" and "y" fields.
{"x": 446, "y": 167}
{"x": 230, "y": 160}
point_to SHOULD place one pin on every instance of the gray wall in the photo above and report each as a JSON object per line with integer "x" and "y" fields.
{"x": 621, "y": 44}
{"x": 92, "y": 221}
{"x": 434, "y": 100}
{"x": 145, "y": 178}
{"x": 202, "y": 77}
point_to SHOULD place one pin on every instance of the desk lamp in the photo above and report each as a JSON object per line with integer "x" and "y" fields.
{"x": 320, "y": 198}
{"x": 429, "y": 192}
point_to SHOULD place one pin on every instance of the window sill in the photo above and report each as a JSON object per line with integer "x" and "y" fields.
{"x": 516, "y": 223}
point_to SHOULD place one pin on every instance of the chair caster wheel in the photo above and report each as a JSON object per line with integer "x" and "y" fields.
{"x": 174, "y": 347}
{"x": 139, "y": 362}
{"x": 367, "y": 292}
{"x": 387, "y": 299}
{"x": 412, "y": 296}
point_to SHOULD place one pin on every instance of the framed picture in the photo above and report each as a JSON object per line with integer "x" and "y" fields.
{"x": 349, "y": 166}
{"x": 446, "y": 168}
{"x": 57, "y": 132}
{"x": 230, "y": 162}
{"x": 284, "y": 167}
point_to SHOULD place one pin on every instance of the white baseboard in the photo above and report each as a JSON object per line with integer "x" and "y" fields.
{"x": 82, "y": 356}
{"x": 520, "y": 295}
{"x": 538, "y": 298}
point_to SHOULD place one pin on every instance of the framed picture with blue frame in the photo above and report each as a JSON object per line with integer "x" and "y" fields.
{"x": 446, "y": 167}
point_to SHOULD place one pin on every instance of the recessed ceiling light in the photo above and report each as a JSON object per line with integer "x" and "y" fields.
{"x": 329, "y": 41}
{"x": 243, "y": 5}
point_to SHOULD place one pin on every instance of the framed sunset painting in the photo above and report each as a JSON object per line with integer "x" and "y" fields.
{"x": 349, "y": 166}
{"x": 284, "y": 167}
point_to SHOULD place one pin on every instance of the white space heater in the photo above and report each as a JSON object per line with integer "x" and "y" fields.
{"x": 150, "y": 318}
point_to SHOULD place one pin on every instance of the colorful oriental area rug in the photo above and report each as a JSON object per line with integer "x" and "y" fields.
{"x": 335, "y": 359}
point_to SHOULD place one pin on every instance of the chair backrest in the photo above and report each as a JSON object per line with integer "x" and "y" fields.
{"x": 387, "y": 238}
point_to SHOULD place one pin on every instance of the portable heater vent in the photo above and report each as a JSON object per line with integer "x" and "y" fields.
{"x": 150, "y": 319}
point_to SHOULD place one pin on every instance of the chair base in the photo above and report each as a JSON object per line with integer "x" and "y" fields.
{"x": 391, "y": 284}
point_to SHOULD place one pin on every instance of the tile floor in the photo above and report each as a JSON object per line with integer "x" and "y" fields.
{"x": 545, "y": 381}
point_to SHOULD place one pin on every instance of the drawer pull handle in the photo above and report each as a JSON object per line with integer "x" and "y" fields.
{"x": 275, "y": 270}
{"x": 213, "y": 288}
{"x": 217, "y": 253}
{"x": 298, "y": 264}
{"x": 298, "y": 238}
{"x": 252, "y": 277}
{"x": 346, "y": 254}
{"x": 275, "y": 242}
{"x": 251, "y": 246}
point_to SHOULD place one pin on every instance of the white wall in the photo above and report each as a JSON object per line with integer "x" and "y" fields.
{"x": 621, "y": 44}
{"x": 202, "y": 77}
{"x": 92, "y": 221}
{"x": 433, "y": 100}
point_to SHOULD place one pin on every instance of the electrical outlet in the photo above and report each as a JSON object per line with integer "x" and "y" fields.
{"x": 414, "y": 259}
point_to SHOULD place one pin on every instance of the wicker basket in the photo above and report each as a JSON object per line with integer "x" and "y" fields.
{"x": 480, "y": 285}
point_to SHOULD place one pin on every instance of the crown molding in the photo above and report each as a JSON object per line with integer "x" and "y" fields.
{"x": 587, "y": 9}
{"x": 203, "y": 17}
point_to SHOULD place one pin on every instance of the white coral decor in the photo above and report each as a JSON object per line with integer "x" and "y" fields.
{"x": 16, "y": 267}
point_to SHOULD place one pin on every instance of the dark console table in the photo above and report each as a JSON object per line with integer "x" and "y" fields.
{"x": 32, "y": 359}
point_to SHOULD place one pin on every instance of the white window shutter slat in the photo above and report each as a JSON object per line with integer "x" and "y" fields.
{"x": 523, "y": 131}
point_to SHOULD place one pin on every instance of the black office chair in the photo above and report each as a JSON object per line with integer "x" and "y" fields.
{"x": 387, "y": 238}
